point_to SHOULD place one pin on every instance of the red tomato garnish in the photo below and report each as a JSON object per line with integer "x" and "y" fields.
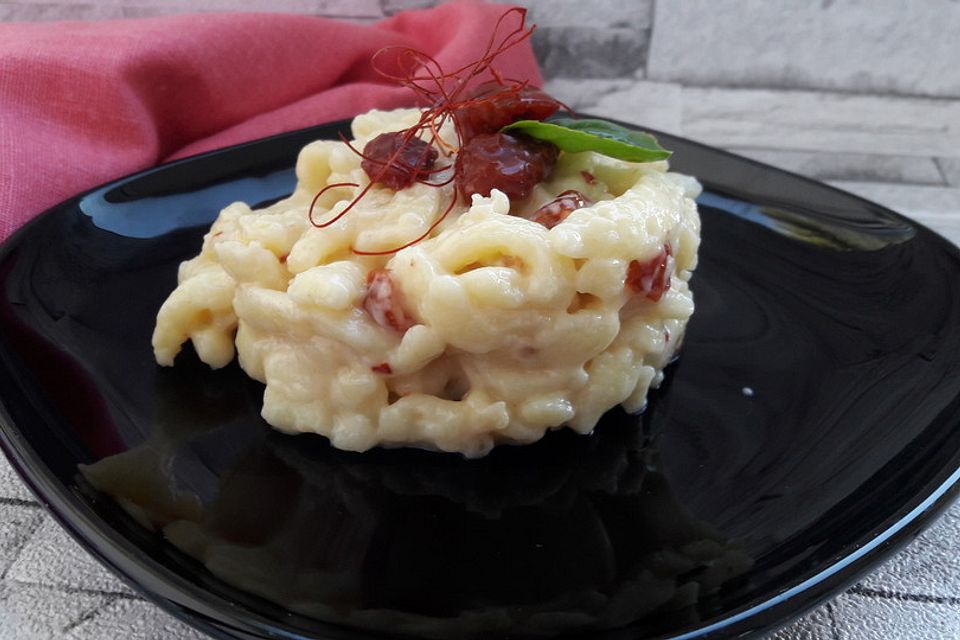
{"x": 514, "y": 165}
{"x": 493, "y": 105}
{"x": 397, "y": 160}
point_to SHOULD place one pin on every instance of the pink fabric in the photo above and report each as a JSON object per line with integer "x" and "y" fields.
{"x": 83, "y": 103}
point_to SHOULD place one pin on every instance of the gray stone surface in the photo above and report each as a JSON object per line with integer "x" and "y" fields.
{"x": 928, "y": 567}
{"x": 817, "y": 625}
{"x": 875, "y": 46}
{"x": 17, "y": 524}
{"x": 360, "y": 10}
{"x": 391, "y": 7}
{"x": 634, "y": 14}
{"x": 870, "y": 616}
{"x": 656, "y": 105}
{"x": 10, "y": 484}
{"x": 817, "y": 121}
{"x": 44, "y": 12}
{"x": 858, "y": 167}
{"x": 52, "y": 558}
{"x": 935, "y": 207}
{"x": 824, "y": 123}
{"x": 605, "y": 39}
{"x": 947, "y": 226}
{"x": 950, "y": 167}
{"x": 910, "y": 200}
{"x": 130, "y": 618}
{"x": 584, "y": 52}
{"x": 334, "y": 7}
{"x": 26, "y": 614}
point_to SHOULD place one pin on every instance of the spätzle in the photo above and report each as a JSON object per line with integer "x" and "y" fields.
{"x": 509, "y": 328}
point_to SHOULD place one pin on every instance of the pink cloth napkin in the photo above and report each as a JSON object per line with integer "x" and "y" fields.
{"x": 83, "y": 103}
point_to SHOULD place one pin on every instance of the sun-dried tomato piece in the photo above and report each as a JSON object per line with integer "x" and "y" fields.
{"x": 492, "y": 106}
{"x": 397, "y": 160}
{"x": 384, "y": 302}
{"x": 557, "y": 210}
{"x": 514, "y": 165}
{"x": 651, "y": 278}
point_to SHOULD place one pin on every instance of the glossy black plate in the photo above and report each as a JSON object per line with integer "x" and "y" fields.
{"x": 808, "y": 429}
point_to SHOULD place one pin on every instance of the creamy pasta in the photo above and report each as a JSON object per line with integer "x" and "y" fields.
{"x": 493, "y": 330}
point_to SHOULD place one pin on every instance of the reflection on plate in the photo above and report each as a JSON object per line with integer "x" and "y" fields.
{"x": 582, "y": 533}
{"x": 807, "y": 430}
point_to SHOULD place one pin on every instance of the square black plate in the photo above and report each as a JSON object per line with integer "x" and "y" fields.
{"x": 809, "y": 428}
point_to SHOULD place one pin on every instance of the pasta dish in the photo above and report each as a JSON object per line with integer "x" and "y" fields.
{"x": 451, "y": 278}
{"x": 495, "y": 329}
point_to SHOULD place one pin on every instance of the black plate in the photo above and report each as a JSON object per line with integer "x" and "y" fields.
{"x": 808, "y": 429}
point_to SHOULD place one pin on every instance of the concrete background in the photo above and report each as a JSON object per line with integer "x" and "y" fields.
{"x": 864, "y": 94}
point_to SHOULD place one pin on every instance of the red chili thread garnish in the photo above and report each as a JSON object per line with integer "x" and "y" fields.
{"x": 652, "y": 277}
{"x": 439, "y": 89}
{"x": 448, "y": 98}
{"x": 423, "y": 236}
{"x": 313, "y": 203}
{"x": 383, "y": 367}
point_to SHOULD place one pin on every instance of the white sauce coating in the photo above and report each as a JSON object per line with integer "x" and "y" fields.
{"x": 517, "y": 329}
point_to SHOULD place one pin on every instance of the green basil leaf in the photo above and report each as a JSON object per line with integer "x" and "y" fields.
{"x": 607, "y": 138}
